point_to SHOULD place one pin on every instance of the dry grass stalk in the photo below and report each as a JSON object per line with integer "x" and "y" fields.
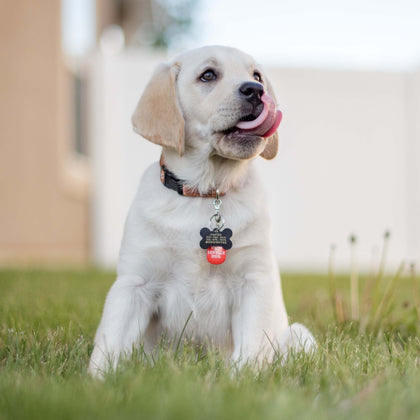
{"x": 375, "y": 307}
{"x": 332, "y": 281}
{"x": 387, "y": 298}
{"x": 379, "y": 276}
{"x": 416, "y": 297}
{"x": 354, "y": 281}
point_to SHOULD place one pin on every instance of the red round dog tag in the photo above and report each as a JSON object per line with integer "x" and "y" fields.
{"x": 216, "y": 255}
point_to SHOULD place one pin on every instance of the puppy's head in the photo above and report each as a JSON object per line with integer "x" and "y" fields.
{"x": 213, "y": 98}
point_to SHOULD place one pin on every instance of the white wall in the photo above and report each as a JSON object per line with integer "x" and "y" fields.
{"x": 342, "y": 164}
{"x": 119, "y": 156}
{"x": 413, "y": 166}
{"x": 348, "y": 163}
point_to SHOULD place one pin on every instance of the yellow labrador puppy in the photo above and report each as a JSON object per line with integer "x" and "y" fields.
{"x": 196, "y": 252}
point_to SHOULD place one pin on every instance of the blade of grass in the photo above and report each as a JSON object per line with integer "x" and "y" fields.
{"x": 181, "y": 335}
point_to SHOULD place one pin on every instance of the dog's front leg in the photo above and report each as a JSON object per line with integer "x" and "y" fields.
{"x": 251, "y": 328}
{"x": 125, "y": 318}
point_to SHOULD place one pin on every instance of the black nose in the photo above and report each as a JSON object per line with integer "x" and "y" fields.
{"x": 252, "y": 92}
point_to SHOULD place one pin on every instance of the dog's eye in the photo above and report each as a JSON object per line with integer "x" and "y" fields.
{"x": 257, "y": 76}
{"x": 208, "y": 76}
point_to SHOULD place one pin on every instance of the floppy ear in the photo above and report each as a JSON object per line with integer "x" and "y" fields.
{"x": 157, "y": 116}
{"x": 272, "y": 146}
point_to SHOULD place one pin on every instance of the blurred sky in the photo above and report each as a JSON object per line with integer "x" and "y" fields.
{"x": 353, "y": 34}
{"x": 347, "y": 34}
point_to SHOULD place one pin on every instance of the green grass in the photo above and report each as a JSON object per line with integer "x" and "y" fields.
{"x": 47, "y": 323}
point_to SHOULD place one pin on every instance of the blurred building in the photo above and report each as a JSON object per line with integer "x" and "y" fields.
{"x": 45, "y": 174}
{"x": 44, "y": 182}
{"x": 44, "y": 170}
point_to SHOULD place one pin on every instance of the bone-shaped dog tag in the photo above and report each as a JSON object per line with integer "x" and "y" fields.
{"x": 215, "y": 237}
{"x": 216, "y": 242}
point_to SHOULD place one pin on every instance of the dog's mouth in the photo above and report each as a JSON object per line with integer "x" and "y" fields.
{"x": 264, "y": 124}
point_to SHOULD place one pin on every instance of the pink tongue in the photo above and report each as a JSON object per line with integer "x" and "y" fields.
{"x": 266, "y": 123}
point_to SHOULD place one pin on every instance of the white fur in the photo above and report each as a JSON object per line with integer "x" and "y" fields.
{"x": 163, "y": 274}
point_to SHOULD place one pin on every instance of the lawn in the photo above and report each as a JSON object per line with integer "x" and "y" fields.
{"x": 48, "y": 319}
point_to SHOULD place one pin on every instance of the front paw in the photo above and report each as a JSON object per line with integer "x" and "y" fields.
{"x": 256, "y": 360}
{"x": 101, "y": 362}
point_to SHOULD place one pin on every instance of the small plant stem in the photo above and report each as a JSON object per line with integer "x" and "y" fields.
{"x": 332, "y": 281}
{"x": 386, "y": 298}
{"x": 378, "y": 279}
{"x": 415, "y": 289}
{"x": 384, "y": 254}
{"x": 354, "y": 283}
{"x": 366, "y": 299}
{"x": 340, "y": 309}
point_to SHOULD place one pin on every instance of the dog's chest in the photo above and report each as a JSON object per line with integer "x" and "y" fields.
{"x": 200, "y": 300}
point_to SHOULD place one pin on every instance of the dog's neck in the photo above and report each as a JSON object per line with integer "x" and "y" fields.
{"x": 204, "y": 172}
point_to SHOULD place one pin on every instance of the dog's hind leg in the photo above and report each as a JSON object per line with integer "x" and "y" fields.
{"x": 126, "y": 316}
{"x": 296, "y": 338}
